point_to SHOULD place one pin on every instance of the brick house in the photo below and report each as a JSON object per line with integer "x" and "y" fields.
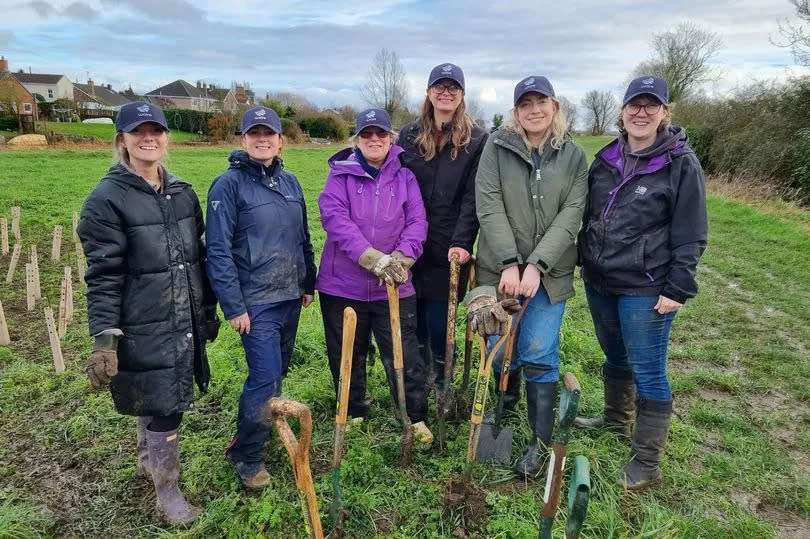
{"x": 16, "y": 100}
{"x": 182, "y": 95}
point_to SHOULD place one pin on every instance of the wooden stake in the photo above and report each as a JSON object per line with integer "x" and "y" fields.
{"x": 62, "y": 326}
{"x": 30, "y": 297}
{"x": 81, "y": 264}
{"x": 53, "y": 336}
{"x": 15, "y": 222}
{"x": 56, "y": 246}
{"x": 4, "y": 235}
{"x": 5, "y": 340}
{"x": 75, "y": 227}
{"x": 12, "y": 267}
{"x": 68, "y": 295}
{"x": 35, "y": 267}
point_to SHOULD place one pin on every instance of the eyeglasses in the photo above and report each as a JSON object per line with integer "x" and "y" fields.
{"x": 368, "y": 133}
{"x": 439, "y": 88}
{"x": 634, "y": 109}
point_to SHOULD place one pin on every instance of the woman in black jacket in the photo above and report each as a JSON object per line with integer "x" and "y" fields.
{"x": 442, "y": 149}
{"x": 149, "y": 305}
{"x": 643, "y": 232}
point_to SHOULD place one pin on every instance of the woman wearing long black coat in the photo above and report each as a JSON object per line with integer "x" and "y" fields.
{"x": 150, "y": 308}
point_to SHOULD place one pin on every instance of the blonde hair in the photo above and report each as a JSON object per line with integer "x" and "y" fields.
{"x": 556, "y": 132}
{"x": 460, "y": 132}
{"x": 665, "y": 121}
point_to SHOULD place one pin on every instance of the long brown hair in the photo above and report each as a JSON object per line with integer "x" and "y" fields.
{"x": 460, "y": 134}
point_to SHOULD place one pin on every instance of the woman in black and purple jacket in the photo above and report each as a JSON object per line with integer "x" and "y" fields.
{"x": 643, "y": 232}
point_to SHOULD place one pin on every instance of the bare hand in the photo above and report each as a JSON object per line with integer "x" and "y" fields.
{"x": 666, "y": 305}
{"x": 463, "y": 254}
{"x": 241, "y": 323}
{"x": 510, "y": 282}
{"x": 530, "y": 283}
{"x": 307, "y": 299}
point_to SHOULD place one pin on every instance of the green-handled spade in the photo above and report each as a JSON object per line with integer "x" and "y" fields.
{"x": 579, "y": 493}
{"x": 349, "y": 326}
{"x": 569, "y": 404}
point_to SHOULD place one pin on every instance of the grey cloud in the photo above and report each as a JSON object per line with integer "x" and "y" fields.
{"x": 75, "y": 10}
{"x": 167, "y": 11}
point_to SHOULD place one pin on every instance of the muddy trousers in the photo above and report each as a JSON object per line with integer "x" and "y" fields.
{"x": 373, "y": 317}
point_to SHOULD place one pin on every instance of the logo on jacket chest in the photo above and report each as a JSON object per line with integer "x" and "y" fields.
{"x": 640, "y": 190}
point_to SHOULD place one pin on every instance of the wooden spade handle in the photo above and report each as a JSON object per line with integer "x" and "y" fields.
{"x": 346, "y": 353}
{"x": 452, "y": 305}
{"x": 396, "y": 329}
{"x": 571, "y": 382}
{"x": 510, "y": 348}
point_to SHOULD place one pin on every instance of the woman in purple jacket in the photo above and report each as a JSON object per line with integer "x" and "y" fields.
{"x": 374, "y": 218}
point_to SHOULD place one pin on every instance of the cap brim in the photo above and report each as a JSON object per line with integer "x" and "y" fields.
{"x": 437, "y": 79}
{"x": 383, "y": 127}
{"x": 631, "y": 97}
{"x": 268, "y": 126}
{"x": 131, "y": 126}
{"x": 538, "y": 92}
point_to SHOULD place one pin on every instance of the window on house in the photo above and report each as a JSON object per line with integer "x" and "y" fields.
{"x": 50, "y": 93}
{"x": 28, "y": 108}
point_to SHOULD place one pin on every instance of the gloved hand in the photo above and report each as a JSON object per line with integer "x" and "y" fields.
{"x": 488, "y": 316}
{"x": 212, "y": 328}
{"x": 397, "y": 270}
{"x": 378, "y": 263}
{"x": 103, "y": 362}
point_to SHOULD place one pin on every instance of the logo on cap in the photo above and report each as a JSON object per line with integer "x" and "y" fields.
{"x": 371, "y": 115}
{"x": 447, "y": 69}
{"x": 529, "y": 82}
{"x": 143, "y": 108}
{"x": 260, "y": 114}
{"x": 648, "y": 82}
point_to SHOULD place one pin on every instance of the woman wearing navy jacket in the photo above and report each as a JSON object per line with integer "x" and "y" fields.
{"x": 643, "y": 232}
{"x": 262, "y": 269}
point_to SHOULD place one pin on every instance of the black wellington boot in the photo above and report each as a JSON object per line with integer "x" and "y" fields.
{"x": 540, "y": 401}
{"x": 511, "y": 396}
{"x": 649, "y": 438}
{"x": 620, "y": 403}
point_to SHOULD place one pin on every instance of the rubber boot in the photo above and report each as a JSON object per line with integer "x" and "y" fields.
{"x": 649, "y": 438}
{"x": 142, "y": 468}
{"x": 511, "y": 396}
{"x": 164, "y": 462}
{"x": 620, "y": 403}
{"x": 540, "y": 400}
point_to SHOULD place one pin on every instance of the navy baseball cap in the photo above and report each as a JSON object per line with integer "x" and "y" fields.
{"x": 261, "y": 116}
{"x": 446, "y": 71}
{"x": 533, "y": 83}
{"x": 136, "y": 113}
{"x": 373, "y": 118}
{"x": 647, "y": 84}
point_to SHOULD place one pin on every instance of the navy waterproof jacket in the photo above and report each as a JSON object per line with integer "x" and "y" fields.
{"x": 645, "y": 227}
{"x": 259, "y": 248}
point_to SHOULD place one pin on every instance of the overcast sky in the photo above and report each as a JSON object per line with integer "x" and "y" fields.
{"x": 322, "y": 51}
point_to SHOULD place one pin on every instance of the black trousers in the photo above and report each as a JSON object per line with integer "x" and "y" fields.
{"x": 372, "y": 317}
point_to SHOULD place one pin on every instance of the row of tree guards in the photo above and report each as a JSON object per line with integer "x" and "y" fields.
{"x": 56, "y": 325}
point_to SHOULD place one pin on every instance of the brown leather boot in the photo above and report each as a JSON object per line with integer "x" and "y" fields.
{"x": 142, "y": 468}
{"x": 164, "y": 462}
{"x": 649, "y": 438}
{"x": 620, "y": 406}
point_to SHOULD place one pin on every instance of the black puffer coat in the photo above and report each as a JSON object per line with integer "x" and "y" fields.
{"x": 448, "y": 191}
{"x": 146, "y": 276}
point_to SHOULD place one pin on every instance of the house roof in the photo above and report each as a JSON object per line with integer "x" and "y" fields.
{"x": 179, "y": 88}
{"x": 103, "y": 94}
{"x": 6, "y": 75}
{"x": 218, "y": 93}
{"x": 37, "y": 78}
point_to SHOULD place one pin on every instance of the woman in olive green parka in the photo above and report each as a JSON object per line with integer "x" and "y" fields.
{"x": 530, "y": 197}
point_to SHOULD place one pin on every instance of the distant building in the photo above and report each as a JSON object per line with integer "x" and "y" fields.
{"x": 180, "y": 94}
{"x": 44, "y": 87}
{"x": 94, "y": 100}
{"x": 16, "y": 100}
{"x": 237, "y": 98}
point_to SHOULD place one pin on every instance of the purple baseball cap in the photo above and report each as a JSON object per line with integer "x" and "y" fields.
{"x": 647, "y": 84}
{"x": 533, "y": 83}
{"x": 373, "y": 118}
{"x": 446, "y": 71}
{"x": 136, "y": 113}
{"x": 261, "y": 116}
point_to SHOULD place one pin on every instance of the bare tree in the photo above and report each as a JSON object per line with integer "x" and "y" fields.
{"x": 475, "y": 111}
{"x": 570, "y": 111}
{"x": 600, "y": 110}
{"x": 681, "y": 57}
{"x": 795, "y": 36}
{"x": 386, "y": 87}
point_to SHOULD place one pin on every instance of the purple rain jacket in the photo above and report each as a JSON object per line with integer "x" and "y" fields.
{"x": 358, "y": 212}
{"x": 645, "y": 224}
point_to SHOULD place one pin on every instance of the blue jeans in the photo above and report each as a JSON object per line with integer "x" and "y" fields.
{"x": 537, "y": 347}
{"x": 634, "y": 337}
{"x": 431, "y": 331}
{"x": 268, "y": 349}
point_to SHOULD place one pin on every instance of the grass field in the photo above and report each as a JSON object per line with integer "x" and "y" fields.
{"x": 104, "y": 132}
{"x": 736, "y": 465}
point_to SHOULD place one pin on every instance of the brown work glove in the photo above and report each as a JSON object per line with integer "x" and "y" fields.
{"x": 397, "y": 270}
{"x": 103, "y": 362}
{"x": 488, "y": 316}
{"x": 383, "y": 266}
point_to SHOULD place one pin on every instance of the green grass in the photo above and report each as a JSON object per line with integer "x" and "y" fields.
{"x": 104, "y": 132}
{"x": 735, "y": 465}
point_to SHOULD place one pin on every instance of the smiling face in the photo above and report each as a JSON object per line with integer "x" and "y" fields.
{"x": 445, "y": 95}
{"x": 374, "y": 144}
{"x": 641, "y": 118}
{"x": 535, "y": 113}
{"x": 261, "y": 143}
{"x": 146, "y": 143}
